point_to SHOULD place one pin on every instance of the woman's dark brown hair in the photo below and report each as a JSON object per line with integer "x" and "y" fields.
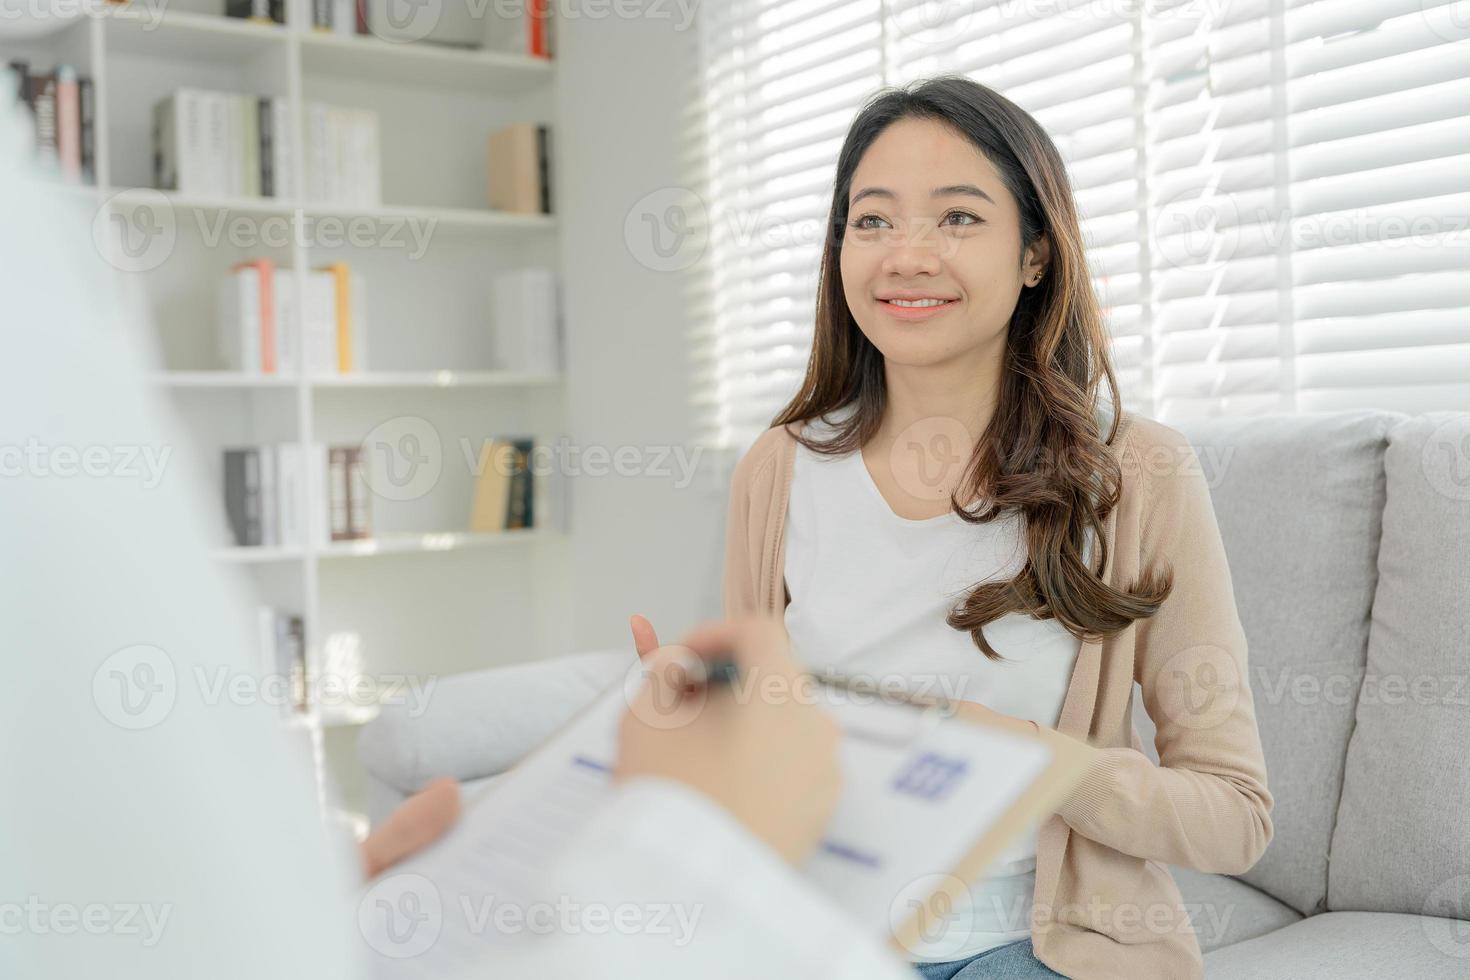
{"x": 1042, "y": 455}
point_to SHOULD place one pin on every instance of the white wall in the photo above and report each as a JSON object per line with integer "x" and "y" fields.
{"x": 640, "y": 543}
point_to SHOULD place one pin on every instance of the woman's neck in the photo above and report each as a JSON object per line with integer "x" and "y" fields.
{"x": 962, "y": 389}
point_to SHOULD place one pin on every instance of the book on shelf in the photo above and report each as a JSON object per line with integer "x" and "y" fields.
{"x": 526, "y": 332}
{"x": 260, "y": 11}
{"x": 234, "y": 144}
{"x": 262, "y": 324}
{"x": 348, "y": 501}
{"x": 521, "y": 28}
{"x": 505, "y": 488}
{"x": 342, "y": 159}
{"x": 222, "y": 143}
{"x": 62, "y": 109}
{"x": 282, "y": 640}
{"x": 274, "y": 493}
{"x": 518, "y": 162}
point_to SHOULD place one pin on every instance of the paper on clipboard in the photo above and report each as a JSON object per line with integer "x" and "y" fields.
{"x": 929, "y": 799}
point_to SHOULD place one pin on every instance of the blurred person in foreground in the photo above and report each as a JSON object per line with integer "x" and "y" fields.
{"x": 148, "y": 829}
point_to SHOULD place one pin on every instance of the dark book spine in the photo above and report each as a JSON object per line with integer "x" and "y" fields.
{"x": 22, "y": 72}
{"x": 278, "y": 11}
{"x": 249, "y": 9}
{"x": 89, "y": 132}
{"x": 266, "y": 116}
{"x": 362, "y": 17}
{"x": 543, "y": 166}
{"x": 518, "y": 507}
{"x": 359, "y": 500}
{"x": 242, "y": 495}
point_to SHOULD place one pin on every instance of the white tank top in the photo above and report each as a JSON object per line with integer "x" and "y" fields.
{"x": 869, "y": 595}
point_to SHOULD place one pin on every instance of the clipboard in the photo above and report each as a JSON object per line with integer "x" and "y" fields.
{"x": 904, "y": 780}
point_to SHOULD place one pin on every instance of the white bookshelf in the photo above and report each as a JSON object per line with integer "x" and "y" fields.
{"x": 426, "y": 595}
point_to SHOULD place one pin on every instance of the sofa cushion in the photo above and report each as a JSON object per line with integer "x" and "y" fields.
{"x": 1350, "y": 946}
{"x": 1299, "y": 499}
{"x": 1403, "y": 829}
{"x": 1226, "y": 910}
{"x": 481, "y": 723}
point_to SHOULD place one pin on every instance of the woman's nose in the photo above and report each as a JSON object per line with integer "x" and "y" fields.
{"x": 916, "y": 249}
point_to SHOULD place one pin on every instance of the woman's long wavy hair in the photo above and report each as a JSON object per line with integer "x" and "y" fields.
{"x": 1042, "y": 455}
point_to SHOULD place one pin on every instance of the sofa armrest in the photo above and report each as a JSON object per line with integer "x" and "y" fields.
{"x": 480, "y": 723}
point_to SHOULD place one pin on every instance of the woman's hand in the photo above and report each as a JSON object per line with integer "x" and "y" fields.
{"x": 419, "y": 821}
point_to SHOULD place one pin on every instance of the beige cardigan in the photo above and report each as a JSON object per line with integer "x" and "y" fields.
{"x": 1105, "y": 904}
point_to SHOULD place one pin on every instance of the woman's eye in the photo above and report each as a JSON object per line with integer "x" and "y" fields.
{"x": 973, "y": 220}
{"x": 862, "y": 222}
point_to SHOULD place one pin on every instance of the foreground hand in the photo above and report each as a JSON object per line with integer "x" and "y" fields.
{"x": 645, "y": 640}
{"x": 766, "y": 755}
{"x": 418, "y": 822}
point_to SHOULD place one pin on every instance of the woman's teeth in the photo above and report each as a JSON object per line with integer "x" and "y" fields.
{"x": 918, "y": 302}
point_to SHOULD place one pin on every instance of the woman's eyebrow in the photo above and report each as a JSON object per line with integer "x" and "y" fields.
{"x": 945, "y": 191}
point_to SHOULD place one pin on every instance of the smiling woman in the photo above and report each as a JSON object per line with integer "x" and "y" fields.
{"x": 951, "y": 494}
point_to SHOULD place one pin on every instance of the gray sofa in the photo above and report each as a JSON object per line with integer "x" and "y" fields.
{"x": 1349, "y": 542}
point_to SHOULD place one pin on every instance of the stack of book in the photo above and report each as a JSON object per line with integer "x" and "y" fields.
{"x": 235, "y": 145}
{"x": 264, "y": 329}
{"x": 344, "y": 17}
{"x": 269, "y": 490}
{"x": 63, "y": 109}
{"x": 522, "y": 27}
{"x": 342, "y": 156}
{"x": 260, "y": 11}
{"x": 283, "y": 655}
{"x": 223, "y": 143}
{"x": 519, "y": 165}
{"x": 505, "y": 489}
{"x": 526, "y": 334}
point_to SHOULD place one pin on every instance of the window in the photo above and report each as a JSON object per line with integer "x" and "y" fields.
{"x": 1275, "y": 193}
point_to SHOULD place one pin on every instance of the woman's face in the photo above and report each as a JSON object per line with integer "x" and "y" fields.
{"x": 929, "y": 217}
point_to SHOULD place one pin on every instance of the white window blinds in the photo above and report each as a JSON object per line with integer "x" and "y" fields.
{"x": 1275, "y": 193}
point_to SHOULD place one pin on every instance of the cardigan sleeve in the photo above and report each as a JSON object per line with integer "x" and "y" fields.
{"x": 1205, "y": 805}
{"x": 740, "y": 583}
